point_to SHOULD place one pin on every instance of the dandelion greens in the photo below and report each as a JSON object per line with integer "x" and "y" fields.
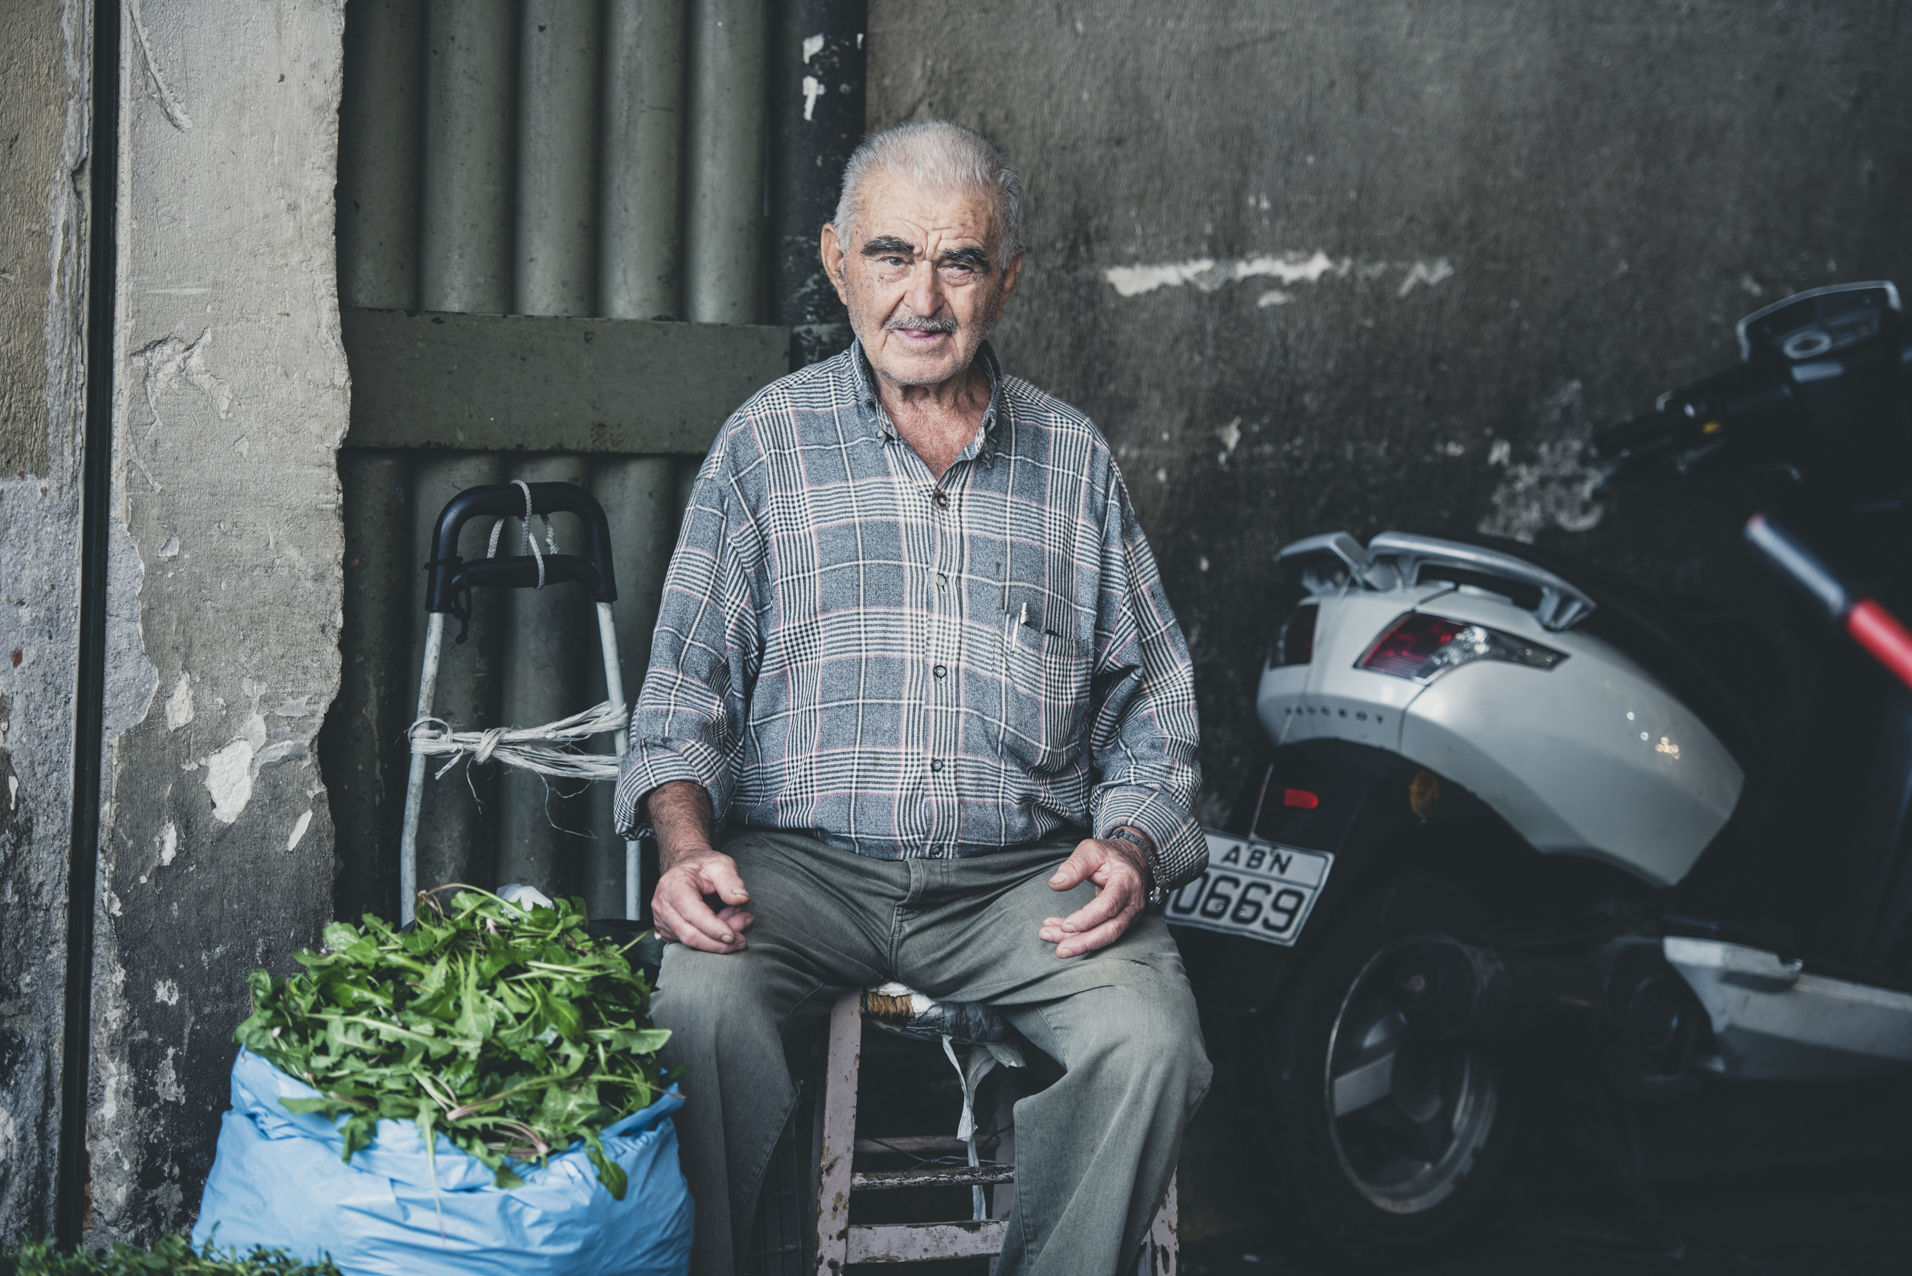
{"x": 509, "y": 1030}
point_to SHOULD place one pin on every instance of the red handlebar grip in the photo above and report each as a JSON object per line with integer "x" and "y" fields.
{"x": 1879, "y": 632}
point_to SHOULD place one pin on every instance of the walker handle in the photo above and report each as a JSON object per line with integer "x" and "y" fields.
{"x": 450, "y": 574}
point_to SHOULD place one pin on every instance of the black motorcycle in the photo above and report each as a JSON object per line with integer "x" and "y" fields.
{"x": 1523, "y": 820}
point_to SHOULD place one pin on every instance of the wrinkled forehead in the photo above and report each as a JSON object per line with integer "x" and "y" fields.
{"x": 894, "y": 206}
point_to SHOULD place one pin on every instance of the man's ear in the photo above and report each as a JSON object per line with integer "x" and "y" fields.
{"x": 832, "y": 252}
{"x": 1011, "y": 276}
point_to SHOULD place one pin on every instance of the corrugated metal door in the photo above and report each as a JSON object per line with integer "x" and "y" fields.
{"x": 534, "y": 197}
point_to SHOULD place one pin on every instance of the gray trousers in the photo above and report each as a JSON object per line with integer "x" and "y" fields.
{"x": 1094, "y": 1151}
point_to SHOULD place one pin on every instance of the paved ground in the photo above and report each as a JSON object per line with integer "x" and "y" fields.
{"x": 1775, "y": 1179}
{"x": 1814, "y": 1226}
{"x": 1787, "y": 1181}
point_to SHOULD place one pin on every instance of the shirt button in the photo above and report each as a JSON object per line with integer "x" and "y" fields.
{"x": 936, "y": 764}
{"x": 941, "y": 670}
{"x": 942, "y": 581}
{"x": 940, "y": 498}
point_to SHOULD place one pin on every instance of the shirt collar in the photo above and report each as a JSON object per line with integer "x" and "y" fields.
{"x": 870, "y": 407}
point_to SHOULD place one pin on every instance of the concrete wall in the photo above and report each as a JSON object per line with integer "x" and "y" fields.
{"x": 217, "y": 853}
{"x": 1317, "y": 264}
{"x": 43, "y": 105}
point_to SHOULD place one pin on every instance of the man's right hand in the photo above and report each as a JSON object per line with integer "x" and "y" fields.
{"x": 699, "y": 898}
{"x": 699, "y": 903}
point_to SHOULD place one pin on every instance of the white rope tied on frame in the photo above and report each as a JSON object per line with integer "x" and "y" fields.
{"x": 530, "y": 541}
{"x": 536, "y": 749}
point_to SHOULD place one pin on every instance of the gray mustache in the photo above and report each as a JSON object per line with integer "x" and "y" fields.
{"x": 904, "y": 319}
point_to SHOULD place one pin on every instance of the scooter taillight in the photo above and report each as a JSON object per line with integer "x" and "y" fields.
{"x": 1410, "y": 643}
{"x": 1423, "y": 647}
{"x": 1294, "y": 641}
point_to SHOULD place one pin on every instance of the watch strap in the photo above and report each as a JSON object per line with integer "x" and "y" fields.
{"x": 1157, "y": 897}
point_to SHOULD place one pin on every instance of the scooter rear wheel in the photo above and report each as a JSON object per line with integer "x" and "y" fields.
{"x": 1387, "y": 1142}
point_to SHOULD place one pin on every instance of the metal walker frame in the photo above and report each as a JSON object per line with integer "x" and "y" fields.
{"x": 452, "y": 579}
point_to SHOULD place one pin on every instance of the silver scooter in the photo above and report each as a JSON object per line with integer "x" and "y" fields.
{"x": 1510, "y": 806}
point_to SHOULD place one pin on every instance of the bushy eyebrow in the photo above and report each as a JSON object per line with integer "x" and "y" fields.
{"x": 889, "y": 245}
{"x": 974, "y": 258}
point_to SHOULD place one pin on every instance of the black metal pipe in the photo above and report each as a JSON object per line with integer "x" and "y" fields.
{"x": 96, "y": 493}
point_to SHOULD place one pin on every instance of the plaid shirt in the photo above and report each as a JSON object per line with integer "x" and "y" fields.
{"x": 903, "y": 667}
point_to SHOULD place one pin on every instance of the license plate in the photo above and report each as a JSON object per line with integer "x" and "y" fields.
{"x": 1261, "y": 890}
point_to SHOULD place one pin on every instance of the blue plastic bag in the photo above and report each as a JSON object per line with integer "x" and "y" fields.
{"x": 278, "y": 1181}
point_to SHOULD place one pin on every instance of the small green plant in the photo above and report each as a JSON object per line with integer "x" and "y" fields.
{"x": 173, "y": 1254}
{"x": 511, "y": 1031}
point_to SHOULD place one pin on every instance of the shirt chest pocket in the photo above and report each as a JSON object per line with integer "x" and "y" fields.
{"x": 1045, "y": 696}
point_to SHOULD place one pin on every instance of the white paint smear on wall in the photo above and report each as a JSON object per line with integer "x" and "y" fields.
{"x": 1422, "y": 272}
{"x": 166, "y": 1081}
{"x": 179, "y": 705}
{"x": 1207, "y": 274}
{"x": 1555, "y": 488}
{"x": 229, "y": 780}
{"x": 1133, "y": 281}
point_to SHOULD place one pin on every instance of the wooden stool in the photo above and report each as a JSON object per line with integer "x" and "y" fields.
{"x": 838, "y": 1242}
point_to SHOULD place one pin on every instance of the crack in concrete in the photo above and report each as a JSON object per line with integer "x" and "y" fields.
{"x": 175, "y": 113}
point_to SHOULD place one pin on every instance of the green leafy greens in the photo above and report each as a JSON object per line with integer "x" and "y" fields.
{"x": 511, "y": 1031}
{"x": 172, "y": 1255}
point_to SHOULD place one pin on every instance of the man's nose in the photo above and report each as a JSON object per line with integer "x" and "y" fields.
{"x": 925, "y": 293}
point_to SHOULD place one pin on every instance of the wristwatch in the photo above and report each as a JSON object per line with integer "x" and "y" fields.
{"x": 1157, "y": 897}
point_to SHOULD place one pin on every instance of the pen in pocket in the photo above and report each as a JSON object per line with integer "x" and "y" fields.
{"x": 1021, "y": 617}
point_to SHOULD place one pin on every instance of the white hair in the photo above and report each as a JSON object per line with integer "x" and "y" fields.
{"x": 941, "y": 159}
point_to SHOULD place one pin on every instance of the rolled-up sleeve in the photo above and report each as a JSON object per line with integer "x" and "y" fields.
{"x": 687, "y": 724}
{"x": 1144, "y": 731}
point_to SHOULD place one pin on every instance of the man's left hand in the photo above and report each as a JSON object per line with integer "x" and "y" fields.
{"x": 1120, "y": 873}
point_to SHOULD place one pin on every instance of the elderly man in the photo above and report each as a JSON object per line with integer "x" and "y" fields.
{"x": 915, "y": 660}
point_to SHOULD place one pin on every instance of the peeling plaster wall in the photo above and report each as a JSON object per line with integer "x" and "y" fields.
{"x": 43, "y": 149}
{"x": 217, "y": 851}
{"x": 33, "y": 82}
{"x": 1319, "y": 264}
